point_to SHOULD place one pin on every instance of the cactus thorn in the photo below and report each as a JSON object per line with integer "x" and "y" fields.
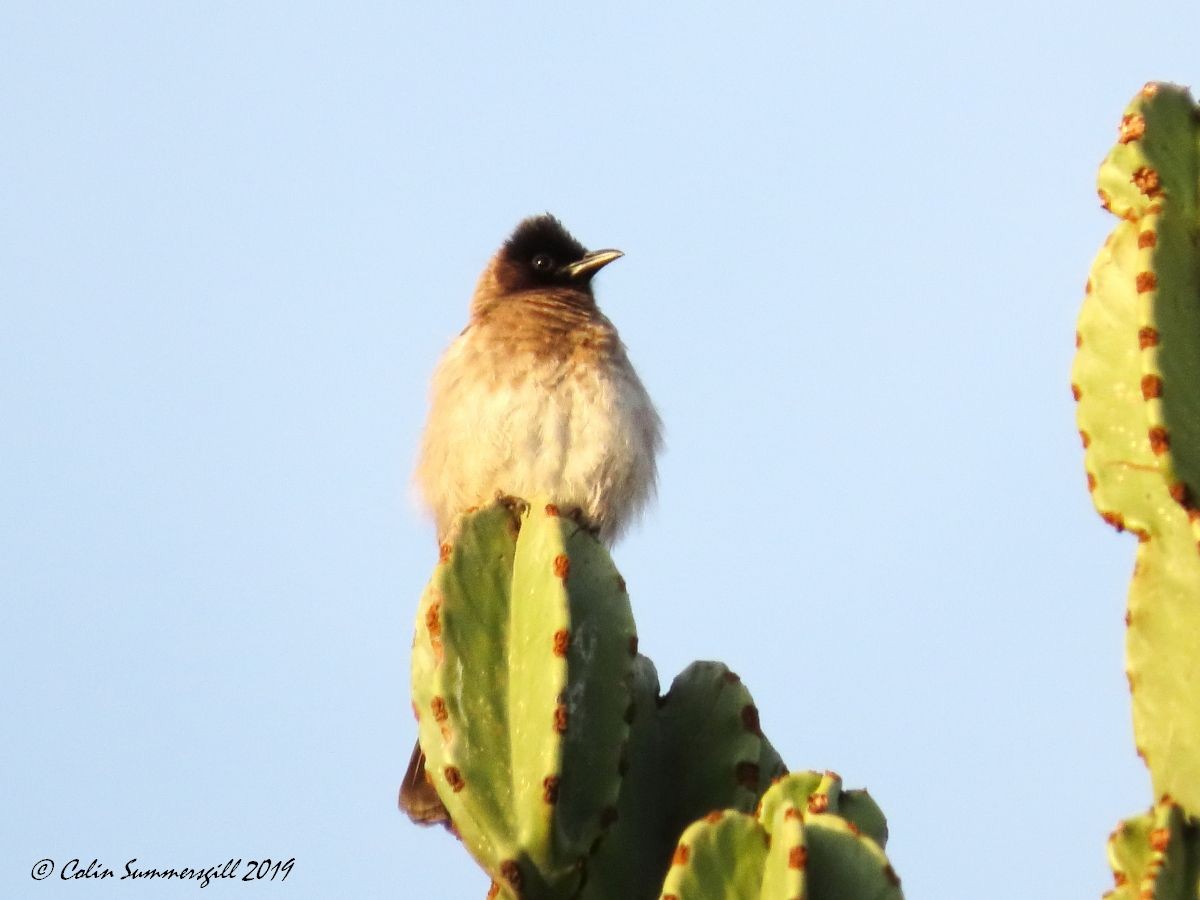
{"x": 510, "y": 871}
{"x": 562, "y": 566}
{"x": 1132, "y": 127}
{"x": 433, "y": 623}
{"x": 562, "y": 641}
{"x": 1147, "y": 181}
{"x": 1160, "y": 441}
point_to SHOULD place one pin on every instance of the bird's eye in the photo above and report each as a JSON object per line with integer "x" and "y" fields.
{"x": 543, "y": 262}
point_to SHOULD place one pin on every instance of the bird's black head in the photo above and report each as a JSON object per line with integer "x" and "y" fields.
{"x": 541, "y": 254}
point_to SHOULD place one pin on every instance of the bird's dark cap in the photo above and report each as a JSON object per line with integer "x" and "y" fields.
{"x": 543, "y": 234}
{"x": 541, "y": 254}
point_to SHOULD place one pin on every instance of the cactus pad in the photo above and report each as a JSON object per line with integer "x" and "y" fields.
{"x": 1155, "y": 856}
{"x": 1137, "y": 382}
{"x": 521, "y": 674}
{"x": 801, "y": 844}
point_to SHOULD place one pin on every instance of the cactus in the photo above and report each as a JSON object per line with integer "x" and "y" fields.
{"x": 564, "y": 771}
{"x": 1155, "y": 856}
{"x": 808, "y": 840}
{"x": 1137, "y": 382}
{"x": 696, "y": 749}
{"x": 521, "y": 678}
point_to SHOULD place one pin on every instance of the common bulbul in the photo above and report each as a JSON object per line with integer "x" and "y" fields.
{"x": 535, "y": 398}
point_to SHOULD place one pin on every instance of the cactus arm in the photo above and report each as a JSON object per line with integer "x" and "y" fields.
{"x": 521, "y": 674}
{"x": 798, "y": 846}
{"x": 459, "y": 642}
{"x": 569, "y": 687}
{"x": 861, "y": 810}
{"x": 844, "y": 863}
{"x": 712, "y": 744}
{"x": 1136, "y": 378}
{"x": 633, "y": 854}
{"x": 1155, "y": 856}
{"x": 719, "y": 857}
{"x": 1122, "y": 472}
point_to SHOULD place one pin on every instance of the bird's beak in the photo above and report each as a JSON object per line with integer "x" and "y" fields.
{"x": 584, "y": 269}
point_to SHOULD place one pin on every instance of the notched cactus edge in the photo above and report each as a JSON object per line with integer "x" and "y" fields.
{"x": 1136, "y": 380}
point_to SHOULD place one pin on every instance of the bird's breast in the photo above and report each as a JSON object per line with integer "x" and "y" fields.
{"x": 571, "y": 422}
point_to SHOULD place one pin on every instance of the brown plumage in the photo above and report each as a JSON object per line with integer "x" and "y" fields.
{"x": 536, "y": 398}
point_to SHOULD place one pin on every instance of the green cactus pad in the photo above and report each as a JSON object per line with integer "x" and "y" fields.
{"x": 696, "y": 750}
{"x": 721, "y": 857}
{"x": 633, "y": 854}
{"x": 861, "y": 810}
{"x": 715, "y": 754}
{"x": 1155, "y": 856}
{"x": 798, "y": 846}
{"x": 569, "y": 705}
{"x": 1156, "y": 157}
{"x": 1122, "y": 473}
{"x": 1137, "y": 381}
{"x": 521, "y": 679}
{"x": 820, "y": 793}
{"x": 476, "y": 561}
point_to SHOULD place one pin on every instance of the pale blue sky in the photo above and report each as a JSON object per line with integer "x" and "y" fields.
{"x": 236, "y": 238}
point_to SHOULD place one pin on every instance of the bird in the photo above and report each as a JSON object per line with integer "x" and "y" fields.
{"x": 535, "y": 398}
